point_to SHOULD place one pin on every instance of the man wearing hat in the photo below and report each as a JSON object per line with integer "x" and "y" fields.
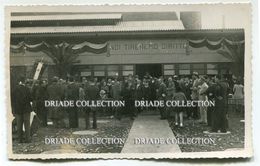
{"x": 56, "y": 92}
{"x": 116, "y": 95}
{"x": 73, "y": 95}
{"x": 219, "y": 117}
{"x": 162, "y": 96}
{"x": 92, "y": 93}
{"x": 21, "y": 107}
{"x": 194, "y": 93}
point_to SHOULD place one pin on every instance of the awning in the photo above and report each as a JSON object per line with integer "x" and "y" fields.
{"x": 67, "y": 17}
{"x": 130, "y": 26}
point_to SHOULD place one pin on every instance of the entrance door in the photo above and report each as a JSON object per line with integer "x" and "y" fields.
{"x": 155, "y": 70}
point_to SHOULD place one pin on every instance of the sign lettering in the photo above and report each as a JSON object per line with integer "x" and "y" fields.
{"x": 147, "y": 46}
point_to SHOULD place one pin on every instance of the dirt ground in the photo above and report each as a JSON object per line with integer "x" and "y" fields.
{"x": 112, "y": 128}
{"x": 192, "y": 129}
{"x": 107, "y": 129}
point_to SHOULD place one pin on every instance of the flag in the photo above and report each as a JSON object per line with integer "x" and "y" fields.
{"x": 38, "y": 70}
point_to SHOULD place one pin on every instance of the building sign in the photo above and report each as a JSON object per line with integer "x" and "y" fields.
{"x": 147, "y": 47}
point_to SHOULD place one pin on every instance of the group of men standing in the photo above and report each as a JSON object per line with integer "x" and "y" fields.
{"x": 214, "y": 89}
{"x": 27, "y": 97}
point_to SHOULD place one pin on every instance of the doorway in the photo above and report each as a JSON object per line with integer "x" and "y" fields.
{"x": 155, "y": 70}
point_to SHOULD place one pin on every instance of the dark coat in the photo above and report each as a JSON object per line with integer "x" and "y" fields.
{"x": 139, "y": 94}
{"x": 219, "y": 120}
{"x": 41, "y": 94}
{"x": 153, "y": 87}
{"x": 92, "y": 92}
{"x": 220, "y": 92}
{"x": 147, "y": 93}
{"x": 211, "y": 92}
{"x": 55, "y": 91}
{"x": 128, "y": 92}
{"x": 21, "y": 100}
{"x": 225, "y": 87}
{"x": 162, "y": 91}
{"x": 187, "y": 90}
{"x": 72, "y": 91}
{"x": 116, "y": 91}
{"x": 128, "y": 95}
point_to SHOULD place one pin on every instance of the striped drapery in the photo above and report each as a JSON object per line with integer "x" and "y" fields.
{"x": 75, "y": 48}
{"x": 215, "y": 44}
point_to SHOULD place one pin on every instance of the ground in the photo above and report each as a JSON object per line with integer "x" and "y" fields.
{"x": 234, "y": 140}
{"x": 108, "y": 128}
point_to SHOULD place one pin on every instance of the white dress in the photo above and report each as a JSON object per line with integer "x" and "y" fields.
{"x": 238, "y": 93}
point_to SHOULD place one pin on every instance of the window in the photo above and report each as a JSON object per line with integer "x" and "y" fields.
{"x": 85, "y": 73}
{"x": 212, "y": 69}
{"x": 169, "y": 69}
{"x": 213, "y": 72}
{"x": 112, "y": 73}
{"x": 99, "y": 67}
{"x": 112, "y": 70}
{"x": 184, "y": 66}
{"x": 184, "y": 72}
{"x": 99, "y": 73}
{"x": 212, "y": 66}
{"x": 184, "y": 69}
{"x": 126, "y": 73}
{"x": 199, "y": 68}
{"x": 99, "y": 70}
{"x": 112, "y": 67}
{"x": 169, "y": 72}
{"x": 128, "y": 69}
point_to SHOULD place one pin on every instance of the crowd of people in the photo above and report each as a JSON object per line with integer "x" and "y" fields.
{"x": 30, "y": 95}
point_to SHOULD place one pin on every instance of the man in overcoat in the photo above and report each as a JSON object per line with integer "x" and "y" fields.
{"x": 162, "y": 96}
{"x": 92, "y": 94}
{"x": 73, "y": 95}
{"x": 56, "y": 93}
{"x": 21, "y": 107}
{"x": 219, "y": 121}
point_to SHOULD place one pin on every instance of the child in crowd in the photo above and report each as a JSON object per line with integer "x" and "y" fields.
{"x": 179, "y": 96}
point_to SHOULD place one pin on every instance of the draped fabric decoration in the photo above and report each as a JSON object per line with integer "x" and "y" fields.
{"x": 90, "y": 47}
{"x": 215, "y": 44}
{"x": 63, "y": 55}
{"x": 22, "y": 46}
{"x": 76, "y": 48}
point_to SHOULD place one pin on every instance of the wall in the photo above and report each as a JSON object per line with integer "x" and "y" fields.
{"x": 152, "y": 51}
{"x": 133, "y": 52}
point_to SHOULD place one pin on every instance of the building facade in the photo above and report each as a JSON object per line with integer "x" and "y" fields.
{"x": 119, "y": 44}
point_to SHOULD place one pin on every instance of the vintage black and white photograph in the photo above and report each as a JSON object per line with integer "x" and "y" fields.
{"x": 129, "y": 81}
